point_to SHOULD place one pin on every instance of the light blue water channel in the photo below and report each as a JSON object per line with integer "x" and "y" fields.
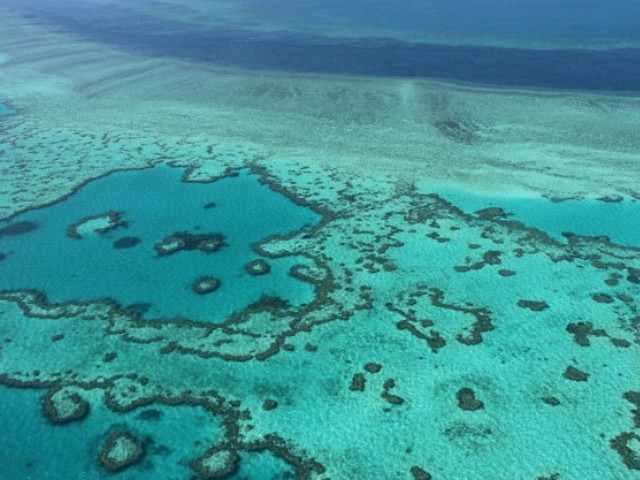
{"x": 590, "y": 217}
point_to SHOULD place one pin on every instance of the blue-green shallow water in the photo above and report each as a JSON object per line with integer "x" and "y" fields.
{"x": 32, "y": 448}
{"x": 4, "y": 110}
{"x": 155, "y": 204}
{"x": 589, "y": 217}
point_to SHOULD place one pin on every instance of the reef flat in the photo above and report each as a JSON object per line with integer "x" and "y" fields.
{"x": 431, "y": 341}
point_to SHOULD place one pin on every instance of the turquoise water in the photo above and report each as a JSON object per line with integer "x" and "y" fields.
{"x": 172, "y": 436}
{"x": 589, "y": 217}
{"x": 4, "y": 110}
{"x": 155, "y": 204}
{"x": 397, "y": 338}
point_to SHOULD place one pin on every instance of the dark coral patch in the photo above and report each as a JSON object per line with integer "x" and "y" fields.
{"x": 205, "y": 285}
{"x": 582, "y": 330}
{"x": 630, "y": 457}
{"x": 575, "y": 374}
{"x": 357, "y": 383}
{"x": 257, "y": 267}
{"x": 389, "y": 397}
{"x": 126, "y": 242}
{"x": 18, "y": 228}
{"x": 491, "y": 213}
{"x": 62, "y": 408}
{"x": 111, "y": 219}
{"x": 150, "y": 415}
{"x": 109, "y": 357}
{"x": 553, "y": 401}
{"x": 533, "y": 305}
{"x": 610, "y": 198}
{"x": 467, "y": 400}
{"x": 634, "y": 398}
{"x": 419, "y": 474}
{"x": 602, "y": 298}
{"x": 139, "y": 308}
{"x": 120, "y": 451}
{"x": 179, "y": 241}
{"x": 270, "y": 404}
{"x": 268, "y": 303}
{"x": 373, "y": 367}
{"x": 620, "y": 342}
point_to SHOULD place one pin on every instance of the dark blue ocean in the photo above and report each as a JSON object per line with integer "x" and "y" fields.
{"x": 366, "y": 42}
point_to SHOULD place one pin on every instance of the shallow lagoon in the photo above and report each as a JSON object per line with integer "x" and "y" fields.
{"x": 173, "y": 436}
{"x": 154, "y": 204}
{"x": 588, "y": 217}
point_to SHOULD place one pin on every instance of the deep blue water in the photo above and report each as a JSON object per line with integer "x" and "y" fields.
{"x": 522, "y": 19}
{"x": 156, "y": 204}
{"x": 295, "y": 51}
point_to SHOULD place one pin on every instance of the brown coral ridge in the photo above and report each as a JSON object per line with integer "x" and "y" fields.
{"x": 586, "y": 248}
{"x": 77, "y": 407}
{"x": 180, "y": 241}
{"x": 575, "y": 374}
{"x": 372, "y": 367}
{"x": 467, "y": 400}
{"x": 634, "y": 398}
{"x": 581, "y": 332}
{"x": 602, "y": 298}
{"x": 533, "y": 305}
{"x": 257, "y": 267}
{"x": 419, "y": 474}
{"x": 17, "y": 228}
{"x": 121, "y": 450}
{"x": 629, "y": 457}
{"x": 126, "y": 242}
{"x": 490, "y": 257}
{"x": 35, "y": 304}
{"x": 326, "y": 307}
{"x": 481, "y": 324}
{"x": 269, "y": 404}
{"x": 114, "y": 218}
{"x": 218, "y": 462}
{"x": 388, "y": 385}
{"x": 304, "y": 466}
{"x": 358, "y": 383}
{"x": 204, "y": 285}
